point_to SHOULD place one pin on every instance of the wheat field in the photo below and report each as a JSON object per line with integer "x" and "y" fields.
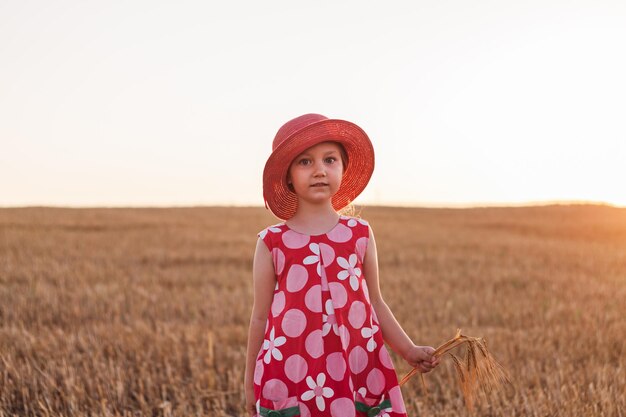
{"x": 134, "y": 312}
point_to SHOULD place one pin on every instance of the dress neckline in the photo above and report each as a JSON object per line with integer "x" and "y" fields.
{"x": 315, "y": 235}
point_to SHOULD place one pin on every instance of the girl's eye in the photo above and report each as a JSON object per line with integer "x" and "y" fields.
{"x": 306, "y": 161}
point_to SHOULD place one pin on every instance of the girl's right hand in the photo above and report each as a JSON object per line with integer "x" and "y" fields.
{"x": 250, "y": 402}
{"x": 422, "y": 357}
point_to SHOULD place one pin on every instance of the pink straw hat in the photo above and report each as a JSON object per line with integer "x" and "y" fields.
{"x": 299, "y": 134}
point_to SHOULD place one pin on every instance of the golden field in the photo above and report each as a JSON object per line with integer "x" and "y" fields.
{"x": 145, "y": 311}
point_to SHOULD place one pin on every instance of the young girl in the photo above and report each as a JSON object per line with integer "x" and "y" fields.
{"x": 315, "y": 345}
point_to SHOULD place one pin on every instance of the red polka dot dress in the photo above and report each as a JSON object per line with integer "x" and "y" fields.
{"x": 323, "y": 352}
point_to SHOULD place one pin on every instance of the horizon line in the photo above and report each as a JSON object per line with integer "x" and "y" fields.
{"x": 542, "y": 203}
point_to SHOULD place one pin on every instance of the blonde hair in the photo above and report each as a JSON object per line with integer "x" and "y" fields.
{"x": 351, "y": 211}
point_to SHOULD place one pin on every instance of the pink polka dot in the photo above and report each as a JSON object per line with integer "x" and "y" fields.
{"x": 304, "y": 410}
{"x": 313, "y": 299}
{"x": 397, "y": 402}
{"x": 342, "y": 407}
{"x": 279, "y": 260}
{"x": 361, "y": 248}
{"x": 338, "y": 294}
{"x": 313, "y": 344}
{"x": 275, "y": 390}
{"x": 375, "y": 381}
{"x": 356, "y": 315}
{"x": 344, "y": 336}
{"x": 384, "y": 357}
{"x": 258, "y": 372}
{"x": 328, "y": 254}
{"x": 296, "y": 278}
{"x": 296, "y": 368}
{"x": 340, "y": 234}
{"x": 278, "y": 304}
{"x": 336, "y": 366}
{"x": 294, "y": 322}
{"x": 357, "y": 360}
{"x": 294, "y": 240}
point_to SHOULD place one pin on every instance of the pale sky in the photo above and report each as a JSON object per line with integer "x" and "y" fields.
{"x": 154, "y": 103}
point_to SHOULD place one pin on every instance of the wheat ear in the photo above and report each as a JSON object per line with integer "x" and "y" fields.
{"x": 478, "y": 371}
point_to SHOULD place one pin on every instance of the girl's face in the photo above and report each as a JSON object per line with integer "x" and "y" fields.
{"x": 316, "y": 173}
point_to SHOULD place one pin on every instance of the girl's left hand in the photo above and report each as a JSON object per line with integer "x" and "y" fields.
{"x": 421, "y": 357}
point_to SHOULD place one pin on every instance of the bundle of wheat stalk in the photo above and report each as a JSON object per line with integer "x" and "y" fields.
{"x": 477, "y": 371}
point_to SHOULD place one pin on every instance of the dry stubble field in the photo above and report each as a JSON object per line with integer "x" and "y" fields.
{"x": 145, "y": 311}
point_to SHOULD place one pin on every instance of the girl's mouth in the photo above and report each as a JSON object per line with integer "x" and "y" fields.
{"x": 319, "y": 184}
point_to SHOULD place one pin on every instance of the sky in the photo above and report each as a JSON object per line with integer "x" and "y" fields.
{"x": 155, "y": 103}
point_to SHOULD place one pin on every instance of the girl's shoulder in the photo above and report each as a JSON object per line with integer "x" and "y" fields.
{"x": 352, "y": 221}
{"x": 275, "y": 228}
{"x": 359, "y": 227}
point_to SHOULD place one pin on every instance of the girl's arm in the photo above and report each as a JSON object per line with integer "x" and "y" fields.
{"x": 393, "y": 334}
{"x": 264, "y": 281}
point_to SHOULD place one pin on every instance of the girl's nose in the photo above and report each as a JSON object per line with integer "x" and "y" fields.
{"x": 320, "y": 169}
{"x": 319, "y": 174}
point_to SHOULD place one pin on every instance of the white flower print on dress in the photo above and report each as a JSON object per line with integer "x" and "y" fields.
{"x": 315, "y": 258}
{"x": 272, "y": 229}
{"x": 318, "y": 390}
{"x": 349, "y": 270}
{"x": 272, "y": 347}
{"x": 329, "y": 319}
{"x": 367, "y": 332}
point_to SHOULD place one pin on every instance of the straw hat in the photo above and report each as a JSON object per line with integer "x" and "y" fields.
{"x": 299, "y": 134}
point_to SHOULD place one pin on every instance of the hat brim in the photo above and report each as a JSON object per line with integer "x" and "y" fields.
{"x": 283, "y": 202}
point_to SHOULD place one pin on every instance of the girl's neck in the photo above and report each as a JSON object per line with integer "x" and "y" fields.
{"x": 313, "y": 219}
